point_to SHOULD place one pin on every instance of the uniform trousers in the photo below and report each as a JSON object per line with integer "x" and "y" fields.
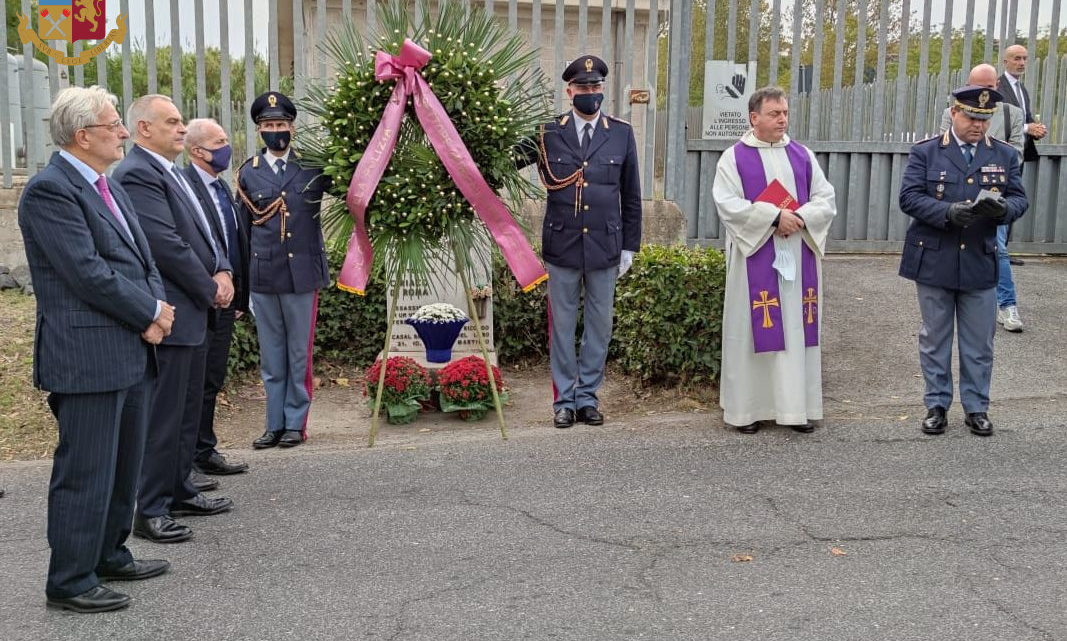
{"x": 94, "y": 484}
{"x": 286, "y": 327}
{"x": 578, "y": 375}
{"x": 973, "y": 314}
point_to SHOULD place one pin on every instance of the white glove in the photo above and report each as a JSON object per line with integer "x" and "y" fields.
{"x": 626, "y": 260}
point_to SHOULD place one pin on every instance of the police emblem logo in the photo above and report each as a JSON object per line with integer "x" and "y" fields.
{"x": 71, "y": 21}
{"x": 272, "y": 100}
{"x": 588, "y": 64}
{"x": 983, "y": 98}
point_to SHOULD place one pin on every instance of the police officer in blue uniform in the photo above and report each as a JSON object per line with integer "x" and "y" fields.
{"x": 279, "y": 202}
{"x": 592, "y": 228}
{"x": 950, "y": 251}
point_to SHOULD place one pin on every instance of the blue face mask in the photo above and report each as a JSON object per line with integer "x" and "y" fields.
{"x": 587, "y": 103}
{"x": 276, "y": 140}
{"x": 220, "y": 158}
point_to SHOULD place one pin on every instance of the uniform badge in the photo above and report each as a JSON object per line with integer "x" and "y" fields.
{"x": 272, "y": 100}
{"x": 588, "y": 64}
{"x": 983, "y": 98}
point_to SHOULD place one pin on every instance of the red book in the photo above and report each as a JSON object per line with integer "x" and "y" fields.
{"x": 777, "y": 195}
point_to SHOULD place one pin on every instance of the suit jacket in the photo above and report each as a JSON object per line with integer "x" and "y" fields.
{"x": 207, "y": 202}
{"x": 96, "y": 286}
{"x": 287, "y": 253}
{"x": 1004, "y": 87}
{"x": 588, "y": 231}
{"x": 937, "y": 252}
{"x": 179, "y": 243}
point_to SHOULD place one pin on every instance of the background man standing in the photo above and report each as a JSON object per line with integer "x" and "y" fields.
{"x": 196, "y": 276}
{"x": 950, "y": 252}
{"x": 592, "y": 228}
{"x": 279, "y": 207}
{"x": 772, "y": 314}
{"x": 1007, "y": 124}
{"x": 100, "y": 311}
{"x": 209, "y": 155}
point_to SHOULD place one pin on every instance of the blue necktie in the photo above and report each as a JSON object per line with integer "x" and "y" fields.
{"x": 229, "y": 220}
{"x": 587, "y": 136}
{"x": 968, "y": 153}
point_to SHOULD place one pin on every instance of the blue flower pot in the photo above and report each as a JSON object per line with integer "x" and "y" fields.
{"x": 438, "y": 337}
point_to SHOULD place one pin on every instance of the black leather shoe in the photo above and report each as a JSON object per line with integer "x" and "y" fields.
{"x": 806, "y": 428}
{"x": 217, "y": 464}
{"x": 291, "y": 438}
{"x": 563, "y": 418}
{"x": 135, "y": 570}
{"x": 1016, "y": 261}
{"x": 935, "y": 421}
{"x": 202, "y": 483}
{"x": 751, "y": 428}
{"x": 979, "y": 423}
{"x": 201, "y": 505}
{"x": 269, "y": 439}
{"x": 590, "y": 415}
{"x": 161, "y": 529}
{"x": 98, "y": 599}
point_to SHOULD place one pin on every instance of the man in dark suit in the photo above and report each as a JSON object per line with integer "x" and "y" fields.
{"x": 279, "y": 206}
{"x": 1010, "y": 85}
{"x": 950, "y": 251}
{"x": 209, "y": 153}
{"x": 196, "y": 277}
{"x": 592, "y": 228}
{"x": 100, "y": 312}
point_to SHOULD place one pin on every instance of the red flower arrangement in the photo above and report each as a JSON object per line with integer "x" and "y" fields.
{"x": 464, "y": 387}
{"x": 406, "y": 384}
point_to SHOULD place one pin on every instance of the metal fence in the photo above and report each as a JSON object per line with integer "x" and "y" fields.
{"x": 861, "y": 127}
{"x": 858, "y": 101}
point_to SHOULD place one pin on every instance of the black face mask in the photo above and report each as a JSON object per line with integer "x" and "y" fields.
{"x": 277, "y": 140}
{"x": 587, "y": 103}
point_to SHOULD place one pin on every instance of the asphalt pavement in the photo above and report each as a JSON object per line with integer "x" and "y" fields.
{"x": 658, "y": 525}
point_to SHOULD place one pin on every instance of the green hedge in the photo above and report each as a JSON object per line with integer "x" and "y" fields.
{"x": 668, "y": 319}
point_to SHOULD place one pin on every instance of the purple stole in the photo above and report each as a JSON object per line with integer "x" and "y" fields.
{"x": 768, "y": 334}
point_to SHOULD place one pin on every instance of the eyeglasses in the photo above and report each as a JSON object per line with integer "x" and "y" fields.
{"x": 111, "y": 126}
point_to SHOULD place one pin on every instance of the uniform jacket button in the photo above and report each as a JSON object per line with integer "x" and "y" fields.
{"x": 585, "y": 207}
{"x": 585, "y": 184}
{"x": 963, "y": 246}
{"x": 290, "y": 254}
{"x": 585, "y": 230}
{"x": 585, "y": 163}
{"x": 283, "y": 193}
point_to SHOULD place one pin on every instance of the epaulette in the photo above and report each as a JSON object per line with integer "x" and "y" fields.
{"x": 946, "y": 139}
{"x": 563, "y": 119}
{"x": 619, "y": 120}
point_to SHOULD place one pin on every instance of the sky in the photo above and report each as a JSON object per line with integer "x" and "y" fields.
{"x": 136, "y": 22}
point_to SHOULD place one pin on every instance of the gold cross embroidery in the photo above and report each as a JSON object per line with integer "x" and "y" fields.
{"x": 810, "y": 301}
{"x": 766, "y": 304}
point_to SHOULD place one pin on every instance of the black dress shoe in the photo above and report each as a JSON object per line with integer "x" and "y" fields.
{"x": 201, "y": 505}
{"x": 1016, "y": 261}
{"x": 202, "y": 483}
{"x": 269, "y": 439}
{"x": 161, "y": 529}
{"x": 217, "y": 464}
{"x": 98, "y": 599}
{"x": 935, "y": 421}
{"x": 135, "y": 570}
{"x": 291, "y": 438}
{"x": 979, "y": 423}
{"x": 751, "y": 428}
{"x": 563, "y": 418}
{"x": 806, "y": 428}
{"x": 590, "y": 415}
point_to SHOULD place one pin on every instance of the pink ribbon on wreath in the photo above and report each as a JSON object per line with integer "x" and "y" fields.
{"x": 442, "y": 134}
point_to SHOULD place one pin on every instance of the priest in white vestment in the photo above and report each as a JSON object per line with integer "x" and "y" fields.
{"x": 771, "y": 360}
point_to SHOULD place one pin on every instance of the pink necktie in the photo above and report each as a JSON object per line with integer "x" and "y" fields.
{"x": 105, "y": 193}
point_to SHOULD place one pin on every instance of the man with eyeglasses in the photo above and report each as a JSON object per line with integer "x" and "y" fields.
{"x": 100, "y": 314}
{"x": 587, "y": 161}
{"x": 197, "y": 277}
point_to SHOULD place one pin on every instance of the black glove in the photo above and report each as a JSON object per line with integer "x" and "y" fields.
{"x": 990, "y": 208}
{"x": 961, "y": 214}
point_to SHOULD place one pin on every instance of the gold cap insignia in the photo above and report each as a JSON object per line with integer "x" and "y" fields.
{"x": 588, "y": 64}
{"x": 272, "y": 100}
{"x": 983, "y": 98}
